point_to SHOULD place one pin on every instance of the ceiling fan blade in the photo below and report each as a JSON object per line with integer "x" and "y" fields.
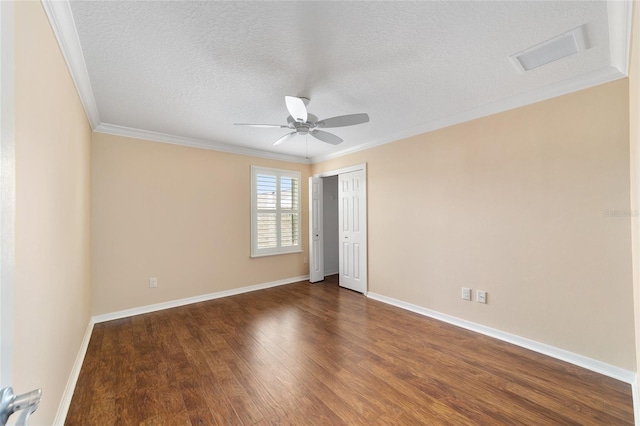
{"x": 296, "y": 108}
{"x": 282, "y": 126}
{"x": 344, "y": 120}
{"x": 326, "y": 137}
{"x": 284, "y": 138}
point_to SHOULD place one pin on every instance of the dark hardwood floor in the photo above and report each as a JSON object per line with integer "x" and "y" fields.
{"x": 319, "y": 354}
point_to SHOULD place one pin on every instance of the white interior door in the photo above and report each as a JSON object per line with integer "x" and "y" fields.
{"x": 352, "y": 213}
{"x": 316, "y": 247}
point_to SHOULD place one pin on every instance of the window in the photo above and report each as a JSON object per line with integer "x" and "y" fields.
{"x": 275, "y": 211}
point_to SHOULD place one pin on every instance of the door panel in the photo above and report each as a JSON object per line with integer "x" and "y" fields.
{"x": 356, "y": 261}
{"x": 316, "y": 243}
{"x": 353, "y": 233}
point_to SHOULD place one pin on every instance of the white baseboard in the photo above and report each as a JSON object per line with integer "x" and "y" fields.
{"x": 636, "y": 401}
{"x": 189, "y": 300}
{"x": 333, "y": 272}
{"x": 65, "y": 402}
{"x": 561, "y": 354}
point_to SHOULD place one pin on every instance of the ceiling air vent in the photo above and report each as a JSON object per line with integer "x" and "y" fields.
{"x": 556, "y": 48}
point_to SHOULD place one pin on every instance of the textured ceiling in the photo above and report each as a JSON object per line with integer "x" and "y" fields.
{"x": 190, "y": 70}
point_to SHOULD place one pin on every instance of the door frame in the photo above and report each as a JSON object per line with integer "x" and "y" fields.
{"x": 7, "y": 190}
{"x": 337, "y": 172}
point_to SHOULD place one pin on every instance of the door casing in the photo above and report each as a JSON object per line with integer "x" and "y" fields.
{"x": 7, "y": 190}
{"x": 338, "y": 172}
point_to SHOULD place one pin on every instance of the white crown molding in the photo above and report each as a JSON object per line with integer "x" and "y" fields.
{"x": 619, "y": 15}
{"x": 196, "y": 299}
{"x": 561, "y": 354}
{"x": 65, "y": 402}
{"x": 64, "y": 28}
{"x": 620, "y": 26}
{"x": 620, "y": 20}
{"x": 113, "y": 129}
{"x": 594, "y": 78}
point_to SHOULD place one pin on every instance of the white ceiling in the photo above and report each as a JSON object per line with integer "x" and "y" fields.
{"x": 184, "y": 72}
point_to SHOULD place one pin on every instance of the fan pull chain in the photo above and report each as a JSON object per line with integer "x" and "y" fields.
{"x": 306, "y": 138}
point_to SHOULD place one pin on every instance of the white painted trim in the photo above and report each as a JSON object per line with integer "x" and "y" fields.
{"x": 561, "y": 354}
{"x": 196, "y": 299}
{"x": 278, "y": 174}
{"x": 65, "y": 402}
{"x": 62, "y": 23}
{"x": 257, "y": 256}
{"x": 130, "y": 132}
{"x": 361, "y": 166}
{"x": 349, "y": 169}
{"x": 636, "y": 401}
{"x": 332, "y": 272}
{"x": 620, "y": 17}
{"x": 594, "y": 78}
{"x": 64, "y": 28}
{"x": 7, "y": 191}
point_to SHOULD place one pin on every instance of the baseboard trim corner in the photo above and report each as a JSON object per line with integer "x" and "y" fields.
{"x": 196, "y": 299}
{"x": 561, "y": 354}
{"x": 65, "y": 402}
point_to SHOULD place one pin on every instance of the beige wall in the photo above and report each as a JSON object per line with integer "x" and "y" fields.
{"x": 52, "y": 281}
{"x": 513, "y": 204}
{"x": 179, "y": 214}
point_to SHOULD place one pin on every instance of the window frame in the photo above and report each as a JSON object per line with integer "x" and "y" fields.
{"x": 279, "y": 173}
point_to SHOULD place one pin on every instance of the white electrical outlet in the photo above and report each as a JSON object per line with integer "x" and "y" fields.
{"x": 482, "y": 296}
{"x": 466, "y": 293}
{"x": 305, "y": 260}
{"x": 153, "y": 282}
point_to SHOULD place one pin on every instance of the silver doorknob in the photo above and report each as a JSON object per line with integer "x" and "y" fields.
{"x": 10, "y": 403}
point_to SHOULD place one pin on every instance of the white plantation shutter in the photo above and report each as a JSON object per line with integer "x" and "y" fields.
{"x": 275, "y": 211}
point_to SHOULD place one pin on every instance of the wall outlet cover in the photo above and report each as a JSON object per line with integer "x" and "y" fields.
{"x": 466, "y": 293}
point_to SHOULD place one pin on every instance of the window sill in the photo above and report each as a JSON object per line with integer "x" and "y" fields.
{"x": 275, "y": 254}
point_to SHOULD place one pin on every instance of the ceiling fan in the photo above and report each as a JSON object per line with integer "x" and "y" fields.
{"x": 303, "y": 123}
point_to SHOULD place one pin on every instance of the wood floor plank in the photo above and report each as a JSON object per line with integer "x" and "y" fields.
{"x": 320, "y": 354}
{"x": 126, "y": 409}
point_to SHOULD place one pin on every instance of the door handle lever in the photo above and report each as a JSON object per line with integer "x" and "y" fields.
{"x": 11, "y": 403}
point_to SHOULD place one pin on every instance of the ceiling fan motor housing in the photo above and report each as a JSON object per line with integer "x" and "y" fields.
{"x": 303, "y": 128}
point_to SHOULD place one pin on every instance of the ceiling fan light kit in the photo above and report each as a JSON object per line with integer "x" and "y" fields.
{"x": 303, "y": 123}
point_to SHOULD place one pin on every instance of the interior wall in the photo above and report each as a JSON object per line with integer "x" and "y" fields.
{"x": 52, "y": 226}
{"x": 180, "y": 214}
{"x": 530, "y": 205}
{"x": 330, "y": 224}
